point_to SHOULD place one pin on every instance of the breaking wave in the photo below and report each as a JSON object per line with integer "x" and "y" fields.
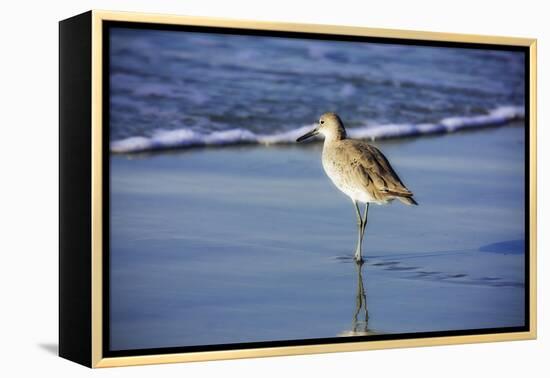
{"x": 187, "y": 138}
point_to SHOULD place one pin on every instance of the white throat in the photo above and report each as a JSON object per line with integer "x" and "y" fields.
{"x": 330, "y": 136}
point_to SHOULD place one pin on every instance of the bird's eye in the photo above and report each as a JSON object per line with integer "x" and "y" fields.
{"x": 322, "y": 122}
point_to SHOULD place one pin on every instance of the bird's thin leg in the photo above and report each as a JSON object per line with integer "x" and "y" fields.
{"x": 362, "y": 223}
{"x": 365, "y": 218}
{"x": 358, "y": 213}
{"x": 360, "y": 229}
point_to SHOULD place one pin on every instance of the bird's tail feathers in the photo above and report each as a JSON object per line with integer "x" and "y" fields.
{"x": 408, "y": 200}
{"x": 404, "y": 196}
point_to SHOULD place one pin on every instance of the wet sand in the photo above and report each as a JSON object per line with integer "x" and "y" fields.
{"x": 244, "y": 244}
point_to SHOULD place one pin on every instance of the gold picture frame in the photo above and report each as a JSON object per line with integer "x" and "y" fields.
{"x": 82, "y": 340}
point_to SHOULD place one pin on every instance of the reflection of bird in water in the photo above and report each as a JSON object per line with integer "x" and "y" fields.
{"x": 360, "y": 322}
{"x": 359, "y": 170}
{"x": 360, "y": 302}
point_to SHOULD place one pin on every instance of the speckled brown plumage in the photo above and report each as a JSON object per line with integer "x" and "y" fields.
{"x": 355, "y": 165}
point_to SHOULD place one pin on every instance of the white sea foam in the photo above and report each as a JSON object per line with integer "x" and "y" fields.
{"x": 186, "y": 138}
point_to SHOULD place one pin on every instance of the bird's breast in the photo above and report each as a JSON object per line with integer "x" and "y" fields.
{"x": 335, "y": 170}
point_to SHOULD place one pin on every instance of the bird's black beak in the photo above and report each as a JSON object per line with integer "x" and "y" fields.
{"x": 308, "y": 135}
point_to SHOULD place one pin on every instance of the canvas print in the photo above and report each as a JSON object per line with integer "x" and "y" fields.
{"x": 277, "y": 189}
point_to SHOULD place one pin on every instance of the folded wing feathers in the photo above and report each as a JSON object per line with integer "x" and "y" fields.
{"x": 374, "y": 169}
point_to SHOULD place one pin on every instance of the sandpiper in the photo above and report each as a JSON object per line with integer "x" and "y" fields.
{"x": 359, "y": 170}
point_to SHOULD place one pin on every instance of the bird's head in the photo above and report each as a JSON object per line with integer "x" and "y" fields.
{"x": 330, "y": 126}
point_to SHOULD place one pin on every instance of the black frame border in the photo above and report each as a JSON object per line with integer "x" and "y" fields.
{"x": 75, "y": 197}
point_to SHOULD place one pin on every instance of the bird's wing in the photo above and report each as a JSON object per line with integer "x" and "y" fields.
{"x": 373, "y": 170}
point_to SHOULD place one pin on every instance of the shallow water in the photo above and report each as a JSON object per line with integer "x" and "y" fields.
{"x": 242, "y": 244}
